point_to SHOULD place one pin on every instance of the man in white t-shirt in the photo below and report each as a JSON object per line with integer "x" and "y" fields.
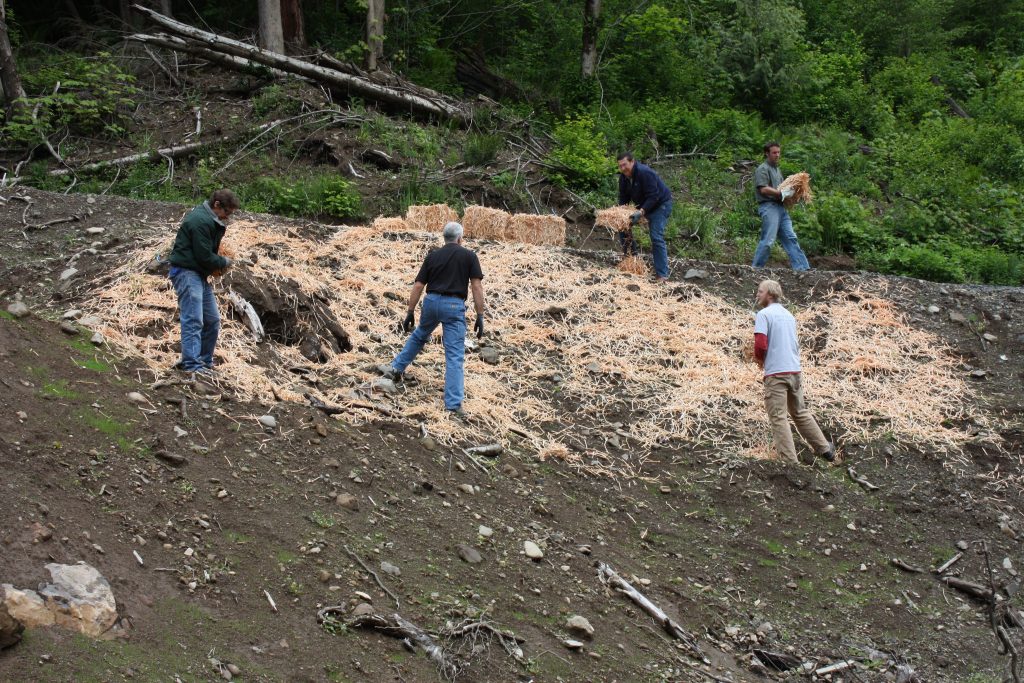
{"x": 777, "y": 350}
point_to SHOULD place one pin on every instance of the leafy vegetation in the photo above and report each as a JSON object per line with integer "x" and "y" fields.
{"x": 909, "y": 115}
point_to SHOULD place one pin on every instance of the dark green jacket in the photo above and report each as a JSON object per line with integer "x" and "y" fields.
{"x": 198, "y": 239}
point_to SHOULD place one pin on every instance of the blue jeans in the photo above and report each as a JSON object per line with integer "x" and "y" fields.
{"x": 200, "y": 319}
{"x": 450, "y": 313}
{"x": 659, "y": 250}
{"x": 775, "y": 222}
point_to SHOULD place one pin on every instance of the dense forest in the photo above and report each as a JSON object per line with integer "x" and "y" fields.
{"x": 908, "y": 114}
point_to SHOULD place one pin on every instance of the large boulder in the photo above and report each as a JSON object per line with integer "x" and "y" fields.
{"x": 10, "y": 628}
{"x": 78, "y": 598}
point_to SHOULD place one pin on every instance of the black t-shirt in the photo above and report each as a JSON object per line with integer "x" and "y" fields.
{"x": 448, "y": 270}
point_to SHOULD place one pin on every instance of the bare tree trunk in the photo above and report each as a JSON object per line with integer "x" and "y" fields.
{"x": 294, "y": 26}
{"x": 271, "y": 31}
{"x": 591, "y": 15}
{"x": 13, "y": 92}
{"x": 374, "y": 34}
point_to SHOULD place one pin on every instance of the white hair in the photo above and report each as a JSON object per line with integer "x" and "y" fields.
{"x": 452, "y": 232}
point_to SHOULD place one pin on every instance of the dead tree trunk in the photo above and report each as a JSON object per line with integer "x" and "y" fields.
{"x": 9, "y": 79}
{"x": 420, "y": 100}
{"x": 271, "y": 30}
{"x": 591, "y": 15}
{"x": 374, "y": 34}
{"x": 293, "y": 26}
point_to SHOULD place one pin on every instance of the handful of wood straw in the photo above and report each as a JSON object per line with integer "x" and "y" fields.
{"x": 634, "y": 265}
{"x": 226, "y": 251}
{"x": 800, "y": 184}
{"x": 615, "y": 217}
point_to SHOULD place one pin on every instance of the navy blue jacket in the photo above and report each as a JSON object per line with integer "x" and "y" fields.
{"x": 645, "y": 189}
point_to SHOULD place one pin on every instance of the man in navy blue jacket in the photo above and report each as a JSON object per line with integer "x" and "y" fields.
{"x": 640, "y": 186}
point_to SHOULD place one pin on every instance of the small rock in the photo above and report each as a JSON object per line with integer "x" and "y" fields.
{"x": 428, "y": 443}
{"x": 222, "y": 494}
{"x": 572, "y": 644}
{"x": 384, "y": 384}
{"x": 509, "y": 471}
{"x": 68, "y": 327}
{"x": 961, "y": 545}
{"x": 469, "y": 554}
{"x": 594, "y": 367}
{"x": 321, "y": 429}
{"x": 580, "y": 625}
{"x": 90, "y": 321}
{"x": 40, "y": 533}
{"x": 136, "y": 397}
{"x": 489, "y": 355}
{"x": 22, "y": 415}
{"x": 233, "y": 669}
{"x": 269, "y": 422}
{"x": 362, "y": 609}
{"x": 990, "y": 337}
{"x": 933, "y": 309}
{"x": 665, "y": 489}
{"x": 467, "y": 488}
{"x": 179, "y": 432}
{"x": 68, "y": 274}
{"x": 957, "y": 317}
{"x": 18, "y": 309}
{"x": 71, "y": 314}
{"x": 347, "y": 501}
{"x": 979, "y": 374}
{"x": 695, "y": 274}
{"x": 390, "y": 569}
{"x": 95, "y": 231}
{"x": 533, "y": 550}
{"x": 97, "y": 339}
{"x": 485, "y": 531}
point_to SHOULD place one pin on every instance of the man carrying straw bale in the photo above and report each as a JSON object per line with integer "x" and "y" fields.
{"x": 777, "y": 351}
{"x": 447, "y": 274}
{"x": 194, "y": 259}
{"x": 640, "y": 185}
{"x": 775, "y": 220}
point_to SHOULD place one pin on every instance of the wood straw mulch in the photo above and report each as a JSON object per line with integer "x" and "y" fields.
{"x": 800, "y": 183}
{"x": 672, "y": 370}
{"x": 615, "y": 218}
{"x": 633, "y": 265}
{"x": 429, "y": 217}
{"x": 481, "y": 222}
{"x": 537, "y": 229}
{"x": 384, "y": 224}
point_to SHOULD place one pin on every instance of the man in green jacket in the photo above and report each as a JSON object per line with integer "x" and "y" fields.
{"x": 193, "y": 259}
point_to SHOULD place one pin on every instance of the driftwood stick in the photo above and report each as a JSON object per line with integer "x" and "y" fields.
{"x": 372, "y": 573}
{"x": 867, "y": 485}
{"x": 608, "y": 575}
{"x": 252, "y": 319}
{"x": 949, "y": 563}
{"x": 972, "y": 589}
{"x": 398, "y": 627}
{"x": 900, "y": 564}
{"x": 1011, "y": 650}
{"x": 329, "y": 409}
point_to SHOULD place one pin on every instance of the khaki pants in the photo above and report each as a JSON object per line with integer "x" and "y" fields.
{"x": 785, "y": 394}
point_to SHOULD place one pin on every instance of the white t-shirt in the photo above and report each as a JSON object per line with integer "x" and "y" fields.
{"x": 779, "y": 325}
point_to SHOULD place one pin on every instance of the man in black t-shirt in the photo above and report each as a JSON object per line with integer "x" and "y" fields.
{"x": 447, "y": 274}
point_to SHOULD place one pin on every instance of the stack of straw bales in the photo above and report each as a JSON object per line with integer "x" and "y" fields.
{"x": 430, "y": 217}
{"x": 800, "y": 183}
{"x": 483, "y": 223}
{"x": 542, "y": 230}
{"x": 382, "y": 224}
{"x": 616, "y": 217}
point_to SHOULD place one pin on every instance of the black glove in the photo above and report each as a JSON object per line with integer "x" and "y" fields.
{"x": 409, "y": 322}
{"x": 636, "y": 217}
{"x": 479, "y": 326}
{"x": 228, "y": 263}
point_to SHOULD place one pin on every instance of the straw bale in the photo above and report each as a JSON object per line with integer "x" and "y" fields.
{"x": 383, "y": 224}
{"x": 800, "y": 183}
{"x": 481, "y": 222}
{"x": 615, "y": 217}
{"x": 633, "y": 265}
{"x": 430, "y": 217}
{"x": 542, "y": 230}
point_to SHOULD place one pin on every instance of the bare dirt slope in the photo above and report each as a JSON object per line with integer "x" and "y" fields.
{"x": 745, "y": 554}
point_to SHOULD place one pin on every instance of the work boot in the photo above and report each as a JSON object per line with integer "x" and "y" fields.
{"x": 458, "y": 414}
{"x": 388, "y": 372}
{"x": 830, "y": 454}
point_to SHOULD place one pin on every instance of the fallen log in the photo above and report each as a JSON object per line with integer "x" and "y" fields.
{"x": 228, "y": 61}
{"x": 397, "y": 627}
{"x": 972, "y": 589}
{"x": 430, "y": 105}
{"x": 245, "y": 309}
{"x": 608, "y": 575}
{"x": 173, "y": 152}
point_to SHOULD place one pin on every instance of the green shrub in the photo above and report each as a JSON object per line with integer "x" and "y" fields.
{"x": 482, "y": 148}
{"x": 581, "y": 154}
{"x": 322, "y": 195}
{"x": 273, "y": 99}
{"x": 94, "y": 97}
{"x": 918, "y": 261}
{"x": 905, "y": 85}
{"x": 693, "y": 230}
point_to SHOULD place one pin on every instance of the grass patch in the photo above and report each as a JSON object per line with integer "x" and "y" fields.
{"x": 59, "y": 389}
{"x": 774, "y": 547}
{"x": 237, "y": 538}
{"x": 6, "y": 316}
{"x": 285, "y": 557}
{"x": 104, "y": 425}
